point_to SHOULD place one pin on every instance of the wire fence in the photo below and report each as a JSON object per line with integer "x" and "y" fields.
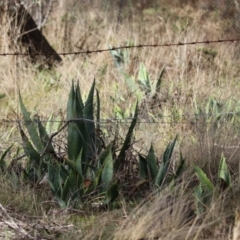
{"x": 151, "y": 120}
{"x": 114, "y": 129}
{"x": 40, "y": 10}
{"x": 229, "y": 10}
{"x": 124, "y": 47}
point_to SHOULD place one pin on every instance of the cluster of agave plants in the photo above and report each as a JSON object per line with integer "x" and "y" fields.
{"x": 89, "y": 168}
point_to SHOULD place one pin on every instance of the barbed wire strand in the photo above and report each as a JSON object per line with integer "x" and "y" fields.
{"x": 122, "y": 47}
{"x": 154, "y": 119}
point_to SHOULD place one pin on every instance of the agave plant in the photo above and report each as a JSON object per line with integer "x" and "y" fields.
{"x": 204, "y": 192}
{"x": 88, "y": 168}
{"x": 143, "y": 86}
{"x": 120, "y": 56}
{"x": 148, "y": 166}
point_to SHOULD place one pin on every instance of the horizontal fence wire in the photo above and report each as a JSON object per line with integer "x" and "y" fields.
{"x": 123, "y": 47}
{"x": 169, "y": 119}
{"x": 150, "y": 120}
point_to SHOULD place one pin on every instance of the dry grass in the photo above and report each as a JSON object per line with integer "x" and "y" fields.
{"x": 193, "y": 75}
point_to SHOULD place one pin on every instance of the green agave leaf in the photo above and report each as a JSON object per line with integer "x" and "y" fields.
{"x": 168, "y": 152}
{"x": 180, "y": 167}
{"x": 54, "y": 179}
{"x": 199, "y": 199}
{"x": 73, "y": 183}
{"x": 79, "y": 96}
{"x": 65, "y": 191}
{"x": 204, "y": 180}
{"x": 49, "y": 124}
{"x": 96, "y": 181}
{"x": 159, "y": 81}
{"x": 89, "y": 166}
{"x": 119, "y": 112}
{"x": 30, "y": 126}
{"x": 104, "y": 154}
{"x": 151, "y": 160}
{"x": 29, "y": 149}
{"x": 98, "y": 107}
{"x": 44, "y": 137}
{"x": 107, "y": 172}
{"x": 61, "y": 203}
{"x": 3, "y": 164}
{"x": 161, "y": 174}
{"x": 111, "y": 194}
{"x": 64, "y": 172}
{"x": 224, "y": 173}
{"x": 77, "y": 167}
{"x": 131, "y": 83}
{"x": 118, "y": 57}
{"x": 79, "y": 164}
{"x": 73, "y": 136}
{"x": 143, "y": 78}
{"x": 127, "y": 142}
{"x": 98, "y": 142}
{"x": 76, "y": 195}
{"x": 88, "y": 110}
{"x": 71, "y": 163}
{"x": 77, "y": 135}
{"x": 53, "y": 125}
{"x": 143, "y": 167}
{"x": 88, "y": 113}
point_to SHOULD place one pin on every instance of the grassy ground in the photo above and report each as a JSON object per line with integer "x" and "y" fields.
{"x": 201, "y": 79}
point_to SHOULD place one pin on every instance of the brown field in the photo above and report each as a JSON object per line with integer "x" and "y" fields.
{"x": 198, "y": 100}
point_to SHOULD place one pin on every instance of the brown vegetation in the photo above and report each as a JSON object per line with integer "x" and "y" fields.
{"x": 198, "y": 101}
